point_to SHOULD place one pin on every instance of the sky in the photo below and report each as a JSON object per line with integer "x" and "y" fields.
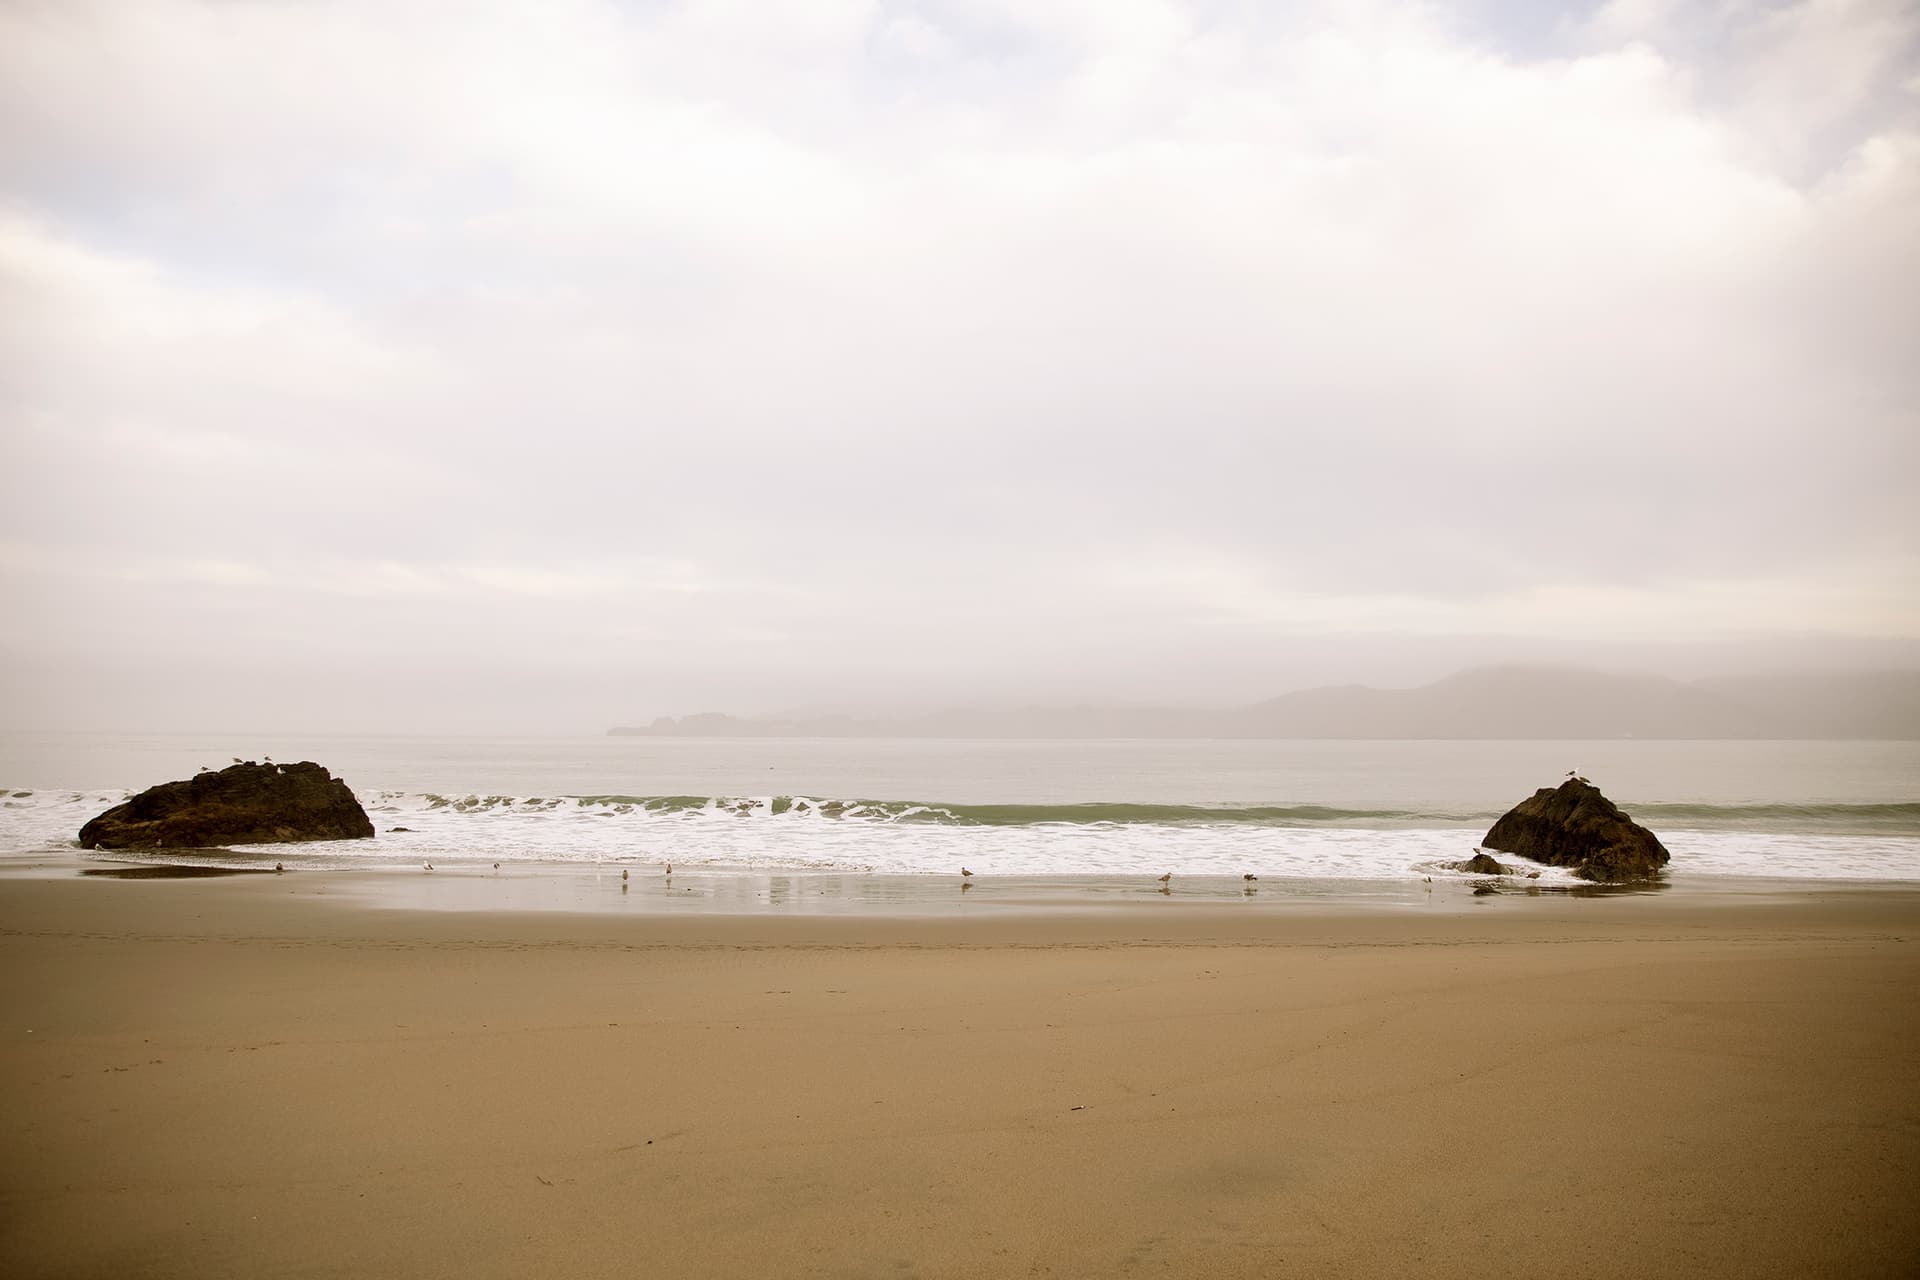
{"x": 383, "y": 365}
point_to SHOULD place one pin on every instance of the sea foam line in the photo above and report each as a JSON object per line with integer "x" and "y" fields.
{"x": 760, "y": 833}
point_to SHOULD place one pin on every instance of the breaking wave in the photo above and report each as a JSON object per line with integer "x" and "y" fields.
{"x": 1839, "y": 841}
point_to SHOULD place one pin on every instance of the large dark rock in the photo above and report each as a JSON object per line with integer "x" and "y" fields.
{"x": 242, "y": 804}
{"x": 1573, "y": 825}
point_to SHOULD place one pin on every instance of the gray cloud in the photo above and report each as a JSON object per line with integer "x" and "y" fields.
{"x": 683, "y": 355}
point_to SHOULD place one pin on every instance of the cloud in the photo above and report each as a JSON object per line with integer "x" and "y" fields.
{"x": 970, "y": 332}
{"x": 1803, "y": 81}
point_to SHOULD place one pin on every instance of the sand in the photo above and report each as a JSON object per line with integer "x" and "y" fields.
{"x": 264, "y": 1076}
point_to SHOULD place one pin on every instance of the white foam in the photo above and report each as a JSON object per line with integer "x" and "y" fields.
{"x": 747, "y": 835}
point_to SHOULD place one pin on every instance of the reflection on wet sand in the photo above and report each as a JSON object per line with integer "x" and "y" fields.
{"x": 172, "y": 871}
{"x": 551, "y": 887}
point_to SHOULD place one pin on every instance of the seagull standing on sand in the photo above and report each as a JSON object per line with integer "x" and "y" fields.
{"x": 279, "y": 866}
{"x": 1249, "y": 876}
{"x": 1167, "y": 878}
{"x": 669, "y": 869}
{"x": 965, "y": 874}
{"x": 427, "y": 865}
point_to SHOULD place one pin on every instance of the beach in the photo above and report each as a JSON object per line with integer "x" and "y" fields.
{"x": 276, "y": 1075}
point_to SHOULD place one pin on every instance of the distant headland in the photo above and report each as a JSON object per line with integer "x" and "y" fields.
{"x": 1483, "y": 703}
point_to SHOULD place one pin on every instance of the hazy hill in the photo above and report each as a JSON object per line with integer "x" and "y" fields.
{"x": 1512, "y": 702}
{"x": 1488, "y": 702}
{"x": 1830, "y": 704}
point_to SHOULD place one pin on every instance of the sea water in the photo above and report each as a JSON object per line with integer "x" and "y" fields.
{"x": 1307, "y": 810}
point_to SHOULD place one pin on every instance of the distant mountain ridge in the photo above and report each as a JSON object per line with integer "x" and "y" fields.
{"x": 1483, "y": 703}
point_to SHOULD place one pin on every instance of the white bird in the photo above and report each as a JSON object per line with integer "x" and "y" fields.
{"x": 427, "y": 865}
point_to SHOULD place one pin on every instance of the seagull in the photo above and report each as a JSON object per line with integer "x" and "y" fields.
{"x": 1249, "y": 876}
{"x": 279, "y": 866}
{"x": 669, "y": 868}
{"x": 964, "y": 873}
{"x": 1167, "y": 878}
{"x": 496, "y": 866}
{"x": 623, "y": 877}
{"x": 427, "y": 865}
{"x": 236, "y": 759}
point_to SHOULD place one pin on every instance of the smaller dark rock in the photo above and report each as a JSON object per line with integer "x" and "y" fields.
{"x": 391, "y": 830}
{"x": 1573, "y": 825}
{"x": 1484, "y": 864}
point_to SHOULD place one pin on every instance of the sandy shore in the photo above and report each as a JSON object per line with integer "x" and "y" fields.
{"x": 263, "y": 1076}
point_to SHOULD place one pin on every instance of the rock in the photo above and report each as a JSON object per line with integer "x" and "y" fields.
{"x": 243, "y": 804}
{"x": 1573, "y": 825}
{"x": 1484, "y": 864}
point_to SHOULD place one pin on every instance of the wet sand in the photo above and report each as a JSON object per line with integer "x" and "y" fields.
{"x": 266, "y": 1075}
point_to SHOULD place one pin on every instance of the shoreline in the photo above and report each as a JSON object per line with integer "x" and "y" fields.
{"x": 380, "y": 904}
{"x": 597, "y": 889}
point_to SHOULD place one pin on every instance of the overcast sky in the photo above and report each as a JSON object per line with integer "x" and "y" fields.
{"x": 388, "y": 364}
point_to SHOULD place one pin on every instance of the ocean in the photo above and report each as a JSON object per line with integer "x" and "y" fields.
{"x": 1353, "y": 811}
